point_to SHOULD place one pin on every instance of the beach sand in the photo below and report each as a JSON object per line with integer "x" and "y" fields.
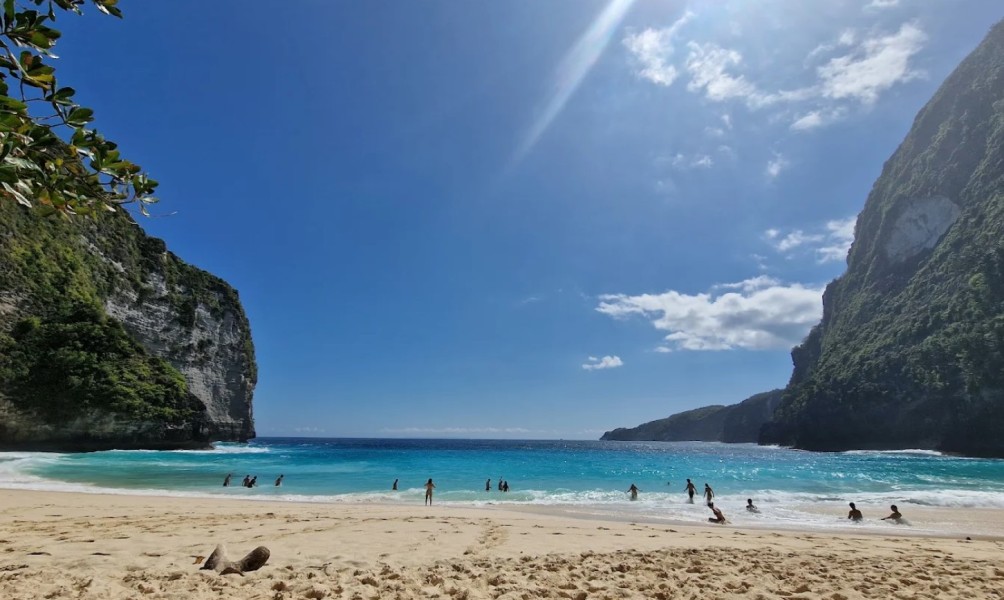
{"x": 63, "y": 545}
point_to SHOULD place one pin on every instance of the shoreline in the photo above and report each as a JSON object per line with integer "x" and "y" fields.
{"x": 117, "y": 546}
{"x": 921, "y": 521}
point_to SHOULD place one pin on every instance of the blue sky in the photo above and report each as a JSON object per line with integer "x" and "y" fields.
{"x": 514, "y": 219}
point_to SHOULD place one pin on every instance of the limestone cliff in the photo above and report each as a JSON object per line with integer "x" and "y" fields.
{"x": 910, "y": 350}
{"x": 736, "y": 423}
{"x": 107, "y": 340}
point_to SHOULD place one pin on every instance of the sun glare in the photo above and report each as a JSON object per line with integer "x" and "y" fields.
{"x": 572, "y": 70}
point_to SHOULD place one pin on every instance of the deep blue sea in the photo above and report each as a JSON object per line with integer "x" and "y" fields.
{"x": 588, "y": 477}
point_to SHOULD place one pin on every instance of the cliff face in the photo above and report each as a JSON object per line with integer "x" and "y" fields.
{"x": 107, "y": 340}
{"x": 910, "y": 350}
{"x": 212, "y": 350}
{"x": 737, "y": 423}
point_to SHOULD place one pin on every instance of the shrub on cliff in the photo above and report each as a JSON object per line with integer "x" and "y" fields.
{"x": 81, "y": 361}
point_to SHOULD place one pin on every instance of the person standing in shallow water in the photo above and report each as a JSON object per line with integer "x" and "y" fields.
{"x": 633, "y": 490}
{"x": 278, "y": 480}
{"x": 691, "y": 489}
{"x": 226, "y": 482}
{"x": 709, "y": 494}
{"x": 429, "y": 486}
{"x": 854, "y": 514}
{"x": 488, "y": 485}
{"x": 394, "y": 486}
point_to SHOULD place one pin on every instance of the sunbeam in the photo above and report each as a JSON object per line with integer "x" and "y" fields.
{"x": 572, "y": 70}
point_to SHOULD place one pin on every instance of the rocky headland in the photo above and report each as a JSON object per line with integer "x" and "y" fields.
{"x": 108, "y": 340}
{"x": 910, "y": 349}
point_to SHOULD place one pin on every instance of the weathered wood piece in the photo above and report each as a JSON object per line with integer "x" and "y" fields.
{"x": 218, "y": 561}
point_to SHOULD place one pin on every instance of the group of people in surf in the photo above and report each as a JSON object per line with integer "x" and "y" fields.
{"x": 719, "y": 517}
{"x": 709, "y": 494}
{"x": 249, "y": 481}
{"x": 429, "y": 486}
{"x": 895, "y": 516}
{"x": 503, "y": 485}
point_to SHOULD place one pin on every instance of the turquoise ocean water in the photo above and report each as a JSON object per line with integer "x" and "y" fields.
{"x": 585, "y": 477}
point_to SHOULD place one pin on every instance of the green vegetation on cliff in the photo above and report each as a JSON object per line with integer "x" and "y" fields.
{"x": 83, "y": 361}
{"x": 106, "y": 338}
{"x": 910, "y": 352}
{"x": 62, "y": 355}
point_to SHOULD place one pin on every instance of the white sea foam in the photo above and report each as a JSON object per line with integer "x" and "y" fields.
{"x": 906, "y": 451}
{"x": 14, "y": 467}
{"x": 784, "y": 510}
{"x": 218, "y": 448}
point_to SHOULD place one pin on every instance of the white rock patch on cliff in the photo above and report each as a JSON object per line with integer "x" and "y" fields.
{"x": 209, "y": 354}
{"x": 920, "y": 226}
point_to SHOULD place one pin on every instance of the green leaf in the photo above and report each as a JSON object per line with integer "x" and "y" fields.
{"x": 62, "y": 95}
{"x": 7, "y": 102}
{"x": 41, "y": 40}
{"x": 79, "y": 116}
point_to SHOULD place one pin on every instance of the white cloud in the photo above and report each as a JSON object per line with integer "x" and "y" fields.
{"x": 607, "y": 362}
{"x": 652, "y": 49}
{"x": 830, "y": 244}
{"x": 727, "y": 151}
{"x": 763, "y": 314}
{"x": 708, "y": 64}
{"x": 776, "y": 165}
{"x": 874, "y": 66}
{"x": 751, "y": 285}
{"x": 818, "y": 118}
{"x": 684, "y": 162}
{"x": 810, "y": 120}
{"x": 867, "y": 67}
{"x": 840, "y": 236}
{"x": 795, "y": 239}
{"x": 703, "y": 161}
{"x": 881, "y": 4}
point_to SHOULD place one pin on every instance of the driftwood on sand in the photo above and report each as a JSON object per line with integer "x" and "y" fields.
{"x": 219, "y": 561}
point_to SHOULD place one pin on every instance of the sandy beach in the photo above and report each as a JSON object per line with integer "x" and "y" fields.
{"x": 64, "y": 545}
